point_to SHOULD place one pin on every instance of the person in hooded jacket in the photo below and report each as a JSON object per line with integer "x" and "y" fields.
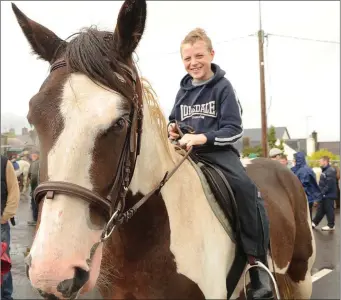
{"x": 207, "y": 102}
{"x": 308, "y": 179}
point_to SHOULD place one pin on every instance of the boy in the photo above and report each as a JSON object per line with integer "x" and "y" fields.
{"x": 207, "y": 102}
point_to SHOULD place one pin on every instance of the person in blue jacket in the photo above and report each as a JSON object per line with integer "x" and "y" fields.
{"x": 208, "y": 103}
{"x": 308, "y": 179}
{"x": 328, "y": 188}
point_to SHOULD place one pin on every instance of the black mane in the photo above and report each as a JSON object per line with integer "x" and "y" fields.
{"x": 94, "y": 54}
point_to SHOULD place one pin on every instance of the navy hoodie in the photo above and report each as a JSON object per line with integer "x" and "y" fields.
{"x": 211, "y": 108}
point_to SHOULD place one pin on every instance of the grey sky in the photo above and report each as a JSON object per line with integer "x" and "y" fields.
{"x": 303, "y": 77}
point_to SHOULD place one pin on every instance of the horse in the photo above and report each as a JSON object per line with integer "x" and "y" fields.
{"x": 24, "y": 167}
{"x": 119, "y": 208}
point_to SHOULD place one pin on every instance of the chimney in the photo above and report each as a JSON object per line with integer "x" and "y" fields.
{"x": 24, "y": 131}
{"x": 310, "y": 146}
{"x": 314, "y": 136}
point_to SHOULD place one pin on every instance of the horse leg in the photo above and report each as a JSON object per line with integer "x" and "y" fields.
{"x": 294, "y": 290}
{"x": 299, "y": 272}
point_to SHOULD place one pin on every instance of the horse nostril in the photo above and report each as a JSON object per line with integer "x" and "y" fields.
{"x": 81, "y": 277}
{"x": 69, "y": 287}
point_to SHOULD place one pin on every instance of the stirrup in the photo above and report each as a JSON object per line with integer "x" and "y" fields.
{"x": 262, "y": 266}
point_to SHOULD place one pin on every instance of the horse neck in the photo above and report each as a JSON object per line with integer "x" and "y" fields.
{"x": 155, "y": 159}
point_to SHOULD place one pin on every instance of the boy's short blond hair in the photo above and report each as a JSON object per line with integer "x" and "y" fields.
{"x": 197, "y": 34}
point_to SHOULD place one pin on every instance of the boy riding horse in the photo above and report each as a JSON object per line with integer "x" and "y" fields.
{"x": 207, "y": 102}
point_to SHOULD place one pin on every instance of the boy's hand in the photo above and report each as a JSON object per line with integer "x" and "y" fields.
{"x": 173, "y": 135}
{"x": 192, "y": 140}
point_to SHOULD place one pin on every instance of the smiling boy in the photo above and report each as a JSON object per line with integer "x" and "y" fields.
{"x": 207, "y": 102}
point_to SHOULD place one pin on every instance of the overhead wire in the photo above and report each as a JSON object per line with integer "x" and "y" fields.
{"x": 303, "y": 38}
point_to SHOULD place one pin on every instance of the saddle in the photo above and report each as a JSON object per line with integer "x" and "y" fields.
{"x": 221, "y": 199}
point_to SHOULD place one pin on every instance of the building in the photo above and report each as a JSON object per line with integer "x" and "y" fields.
{"x": 253, "y": 137}
{"x": 12, "y": 145}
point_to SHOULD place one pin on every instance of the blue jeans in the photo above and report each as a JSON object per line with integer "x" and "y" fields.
{"x": 325, "y": 207}
{"x": 7, "y": 284}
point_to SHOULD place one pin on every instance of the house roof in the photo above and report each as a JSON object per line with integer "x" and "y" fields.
{"x": 239, "y": 144}
{"x": 255, "y": 134}
{"x": 333, "y": 147}
{"x": 14, "y": 142}
{"x": 299, "y": 145}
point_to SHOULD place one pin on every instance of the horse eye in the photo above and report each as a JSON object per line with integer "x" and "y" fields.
{"x": 120, "y": 123}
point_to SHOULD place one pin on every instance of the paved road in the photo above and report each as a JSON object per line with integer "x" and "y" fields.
{"x": 327, "y": 244}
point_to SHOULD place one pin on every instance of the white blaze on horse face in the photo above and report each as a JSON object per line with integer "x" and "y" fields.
{"x": 64, "y": 238}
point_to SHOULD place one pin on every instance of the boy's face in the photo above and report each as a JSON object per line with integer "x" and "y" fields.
{"x": 197, "y": 60}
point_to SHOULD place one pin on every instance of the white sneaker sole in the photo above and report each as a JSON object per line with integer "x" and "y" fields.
{"x": 328, "y": 229}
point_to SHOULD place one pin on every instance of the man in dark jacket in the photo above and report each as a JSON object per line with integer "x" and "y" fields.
{"x": 329, "y": 192}
{"x": 308, "y": 179}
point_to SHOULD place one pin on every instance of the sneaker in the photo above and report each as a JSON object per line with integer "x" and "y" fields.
{"x": 327, "y": 228}
{"x": 313, "y": 225}
{"x": 31, "y": 223}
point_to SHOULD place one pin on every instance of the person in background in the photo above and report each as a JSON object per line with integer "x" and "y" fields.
{"x": 283, "y": 159}
{"x": 337, "y": 200}
{"x": 329, "y": 192}
{"x": 33, "y": 177}
{"x": 10, "y": 196}
{"x": 307, "y": 178}
{"x": 275, "y": 154}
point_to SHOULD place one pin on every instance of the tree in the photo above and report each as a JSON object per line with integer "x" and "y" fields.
{"x": 313, "y": 159}
{"x": 272, "y": 139}
{"x": 9, "y": 134}
{"x": 256, "y": 150}
{"x": 246, "y": 142}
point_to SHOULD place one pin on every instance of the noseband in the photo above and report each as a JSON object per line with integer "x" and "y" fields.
{"x": 113, "y": 206}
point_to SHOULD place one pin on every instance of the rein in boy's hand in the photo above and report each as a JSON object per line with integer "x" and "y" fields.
{"x": 192, "y": 140}
{"x": 186, "y": 140}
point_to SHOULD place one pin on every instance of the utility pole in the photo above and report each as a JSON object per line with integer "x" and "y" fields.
{"x": 262, "y": 85}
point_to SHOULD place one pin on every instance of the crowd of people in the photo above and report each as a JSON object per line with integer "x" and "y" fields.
{"x": 10, "y": 197}
{"x": 325, "y": 193}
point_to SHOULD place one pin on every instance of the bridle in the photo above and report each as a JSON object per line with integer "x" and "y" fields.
{"x": 113, "y": 206}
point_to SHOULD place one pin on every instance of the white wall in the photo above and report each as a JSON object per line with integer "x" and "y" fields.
{"x": 288, "y": 151}
{"x": 310, "y": 146}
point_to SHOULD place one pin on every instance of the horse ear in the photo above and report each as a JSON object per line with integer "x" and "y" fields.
{"x": 130, "y": 26}
{"x": 42, "y": 40}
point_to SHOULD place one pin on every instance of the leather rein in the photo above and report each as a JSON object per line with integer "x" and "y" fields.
{"x": 113, "y": 206}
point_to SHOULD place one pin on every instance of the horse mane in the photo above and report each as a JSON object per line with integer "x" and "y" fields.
{"x": 155, "y": 112}
{"x": 94, "y": 53}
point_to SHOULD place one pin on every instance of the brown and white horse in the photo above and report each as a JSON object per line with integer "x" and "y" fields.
{"x": 174, "y": 247}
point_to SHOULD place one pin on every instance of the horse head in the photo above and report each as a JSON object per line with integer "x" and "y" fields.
{"x": 87, "y": 115}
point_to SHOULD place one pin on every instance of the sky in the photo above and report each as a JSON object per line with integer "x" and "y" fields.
{"x": 302, "y": 77}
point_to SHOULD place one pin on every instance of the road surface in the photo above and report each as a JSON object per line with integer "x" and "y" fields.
{"x": 326, "y": 271}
